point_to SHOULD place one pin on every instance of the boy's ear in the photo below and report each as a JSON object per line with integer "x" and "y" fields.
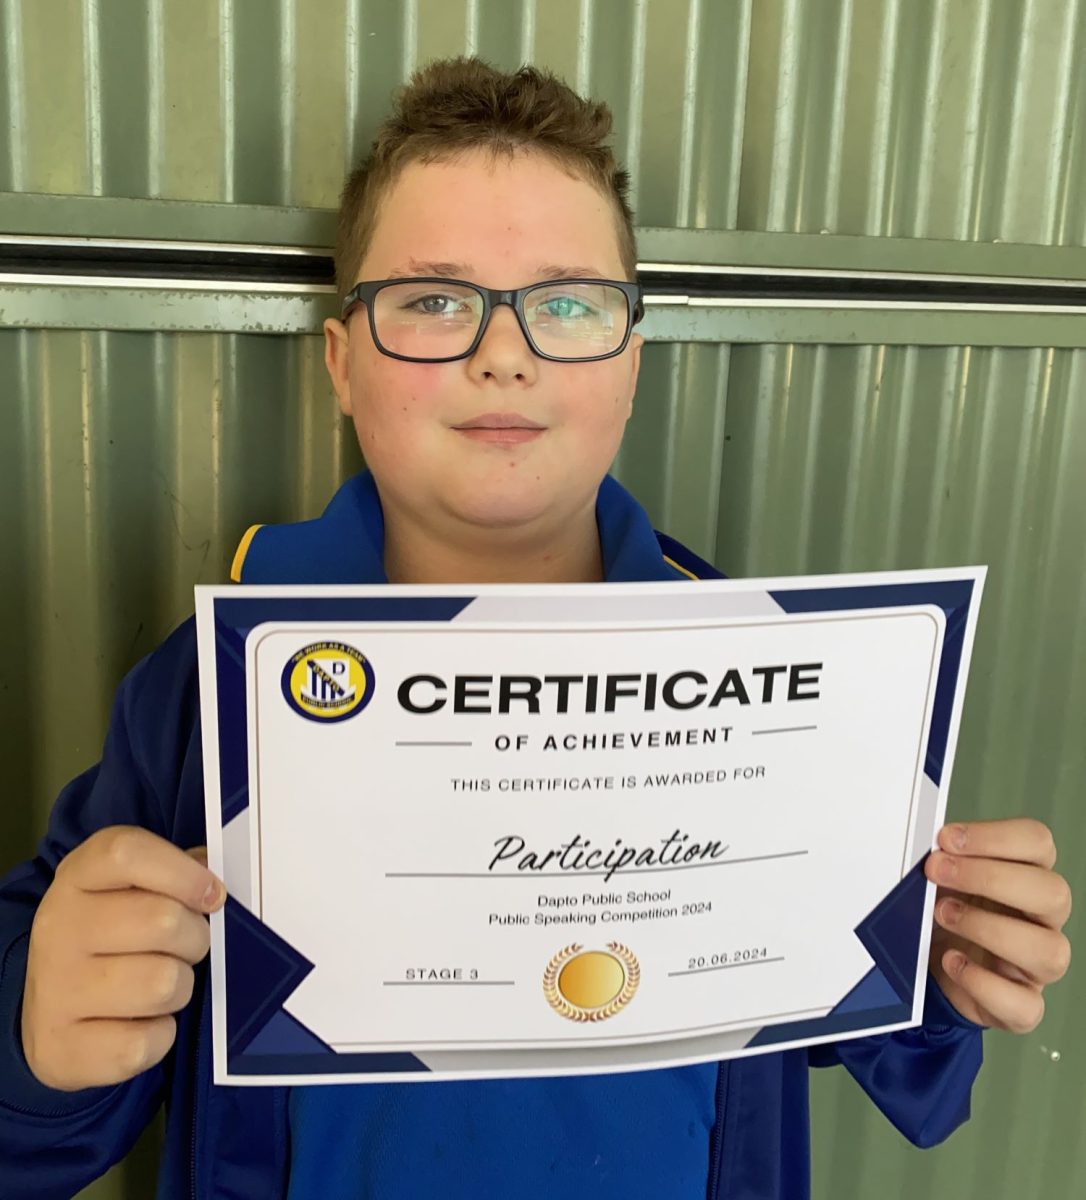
{"x": 636, "y": 342}
{"x": 335, "y": 359}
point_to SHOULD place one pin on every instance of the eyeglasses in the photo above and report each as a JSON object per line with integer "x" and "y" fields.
{"x": 442, "y": 320}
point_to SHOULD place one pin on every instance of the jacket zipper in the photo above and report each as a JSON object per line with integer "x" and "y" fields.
{"x": 192, "y": 1153}
{"x": 716, "y": 1143}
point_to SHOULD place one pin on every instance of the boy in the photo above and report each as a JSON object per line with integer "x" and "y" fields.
{"x": 488, "y": 465}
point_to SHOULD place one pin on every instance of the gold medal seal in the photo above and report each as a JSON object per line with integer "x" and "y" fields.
{"x": 591, "y": 985}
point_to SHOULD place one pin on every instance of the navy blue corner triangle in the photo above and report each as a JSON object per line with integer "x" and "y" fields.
{"x": 831, "y": 1025}
{"x": 235, "y": 618}
{"x": 954, "y": 597}
{"x": 284, "y": 1034}
{"x": 890, "y": 933}
{"x": 243, "y": 614}
{"x": 263, "y": 971}
{"x": 873, "y": 991}
{"x": 262, "y": 1038}
{"x": 321, "y": 1064}
{"x": 233, "y": 731}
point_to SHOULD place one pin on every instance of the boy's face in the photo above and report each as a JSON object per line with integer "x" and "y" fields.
{"x": 504, "y": 223}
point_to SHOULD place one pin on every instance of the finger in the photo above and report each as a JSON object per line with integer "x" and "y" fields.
{"x": 134, "y": 985}
{"x": 125, "y": 856}
{"x": 1012, "y": 1006}
{"x": 1041, "y": 895}
{"x": 110, "y": 1052}
{"x": 1010, "y": 971}
{"x": 1043, "y": 954}
{"x": 138, "y": 922}
{"x": 1019, "y": 839}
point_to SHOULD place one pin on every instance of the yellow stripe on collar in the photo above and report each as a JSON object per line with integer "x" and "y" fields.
{"x": 242, "y": 550}
{"x": 671, "y": 563}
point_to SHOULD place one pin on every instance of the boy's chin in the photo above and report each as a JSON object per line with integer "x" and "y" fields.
{"x": 511, "y": 505}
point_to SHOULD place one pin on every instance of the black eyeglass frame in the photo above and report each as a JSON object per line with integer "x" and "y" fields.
{"x": 366, "y": 291}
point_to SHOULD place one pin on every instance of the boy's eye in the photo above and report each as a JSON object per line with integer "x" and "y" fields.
{"x": 565, "y": 308}
{"x": 435, "y": 304}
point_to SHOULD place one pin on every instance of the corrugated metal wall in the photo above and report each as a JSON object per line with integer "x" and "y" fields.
{"x": 906, "y": 118}
{"x": 131, "y": 461}
{"x": 134, "y": 460}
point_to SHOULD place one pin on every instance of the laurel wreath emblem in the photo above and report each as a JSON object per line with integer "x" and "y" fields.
{"x": 573, "y": 1012}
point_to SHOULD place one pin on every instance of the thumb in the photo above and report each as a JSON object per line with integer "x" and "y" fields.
{"x": 200, "y": 854}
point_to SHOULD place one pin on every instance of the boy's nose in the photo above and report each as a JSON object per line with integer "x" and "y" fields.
{"x": 504, "y": 352}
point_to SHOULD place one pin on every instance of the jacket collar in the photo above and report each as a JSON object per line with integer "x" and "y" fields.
{"x": 345, "y": 544}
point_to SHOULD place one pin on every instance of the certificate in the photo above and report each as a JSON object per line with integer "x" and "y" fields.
{"x": 511, "y": 830}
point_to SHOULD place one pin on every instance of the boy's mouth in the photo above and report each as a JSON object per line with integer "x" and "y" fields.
{"x": 501, "y": 429}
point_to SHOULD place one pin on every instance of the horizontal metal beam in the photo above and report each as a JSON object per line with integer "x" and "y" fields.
{"x": 182, "y": 266}
{"x": 292, "y": 309}
{"x": 880, "y": 324}
{"x": 59, "y": 305}
{"x": 875, "y": 255}
{"x": 165, "y": 220}
{"x": 240, "y": 225}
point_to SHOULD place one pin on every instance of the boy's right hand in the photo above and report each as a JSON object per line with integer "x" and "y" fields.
{"x": 111, "y": 954}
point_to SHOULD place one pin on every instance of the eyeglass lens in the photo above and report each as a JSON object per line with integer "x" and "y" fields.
{"x": 565, "y": 320}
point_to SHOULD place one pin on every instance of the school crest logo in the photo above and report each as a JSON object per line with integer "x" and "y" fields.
{"x": 328, "y": 681}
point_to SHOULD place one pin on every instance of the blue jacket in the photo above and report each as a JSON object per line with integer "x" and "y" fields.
{"x": 747, "y": 1119}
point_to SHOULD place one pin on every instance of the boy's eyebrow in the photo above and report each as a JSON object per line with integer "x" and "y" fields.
{"x": 547, "y": 272}
{"x": 450, "y": 270}
{"x": 415, "y": 267}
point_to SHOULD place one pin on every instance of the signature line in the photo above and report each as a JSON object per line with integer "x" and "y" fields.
{"x": 757, "y": 962}
{"x": 573, "y": 874}
{"x": 449, "y": 982}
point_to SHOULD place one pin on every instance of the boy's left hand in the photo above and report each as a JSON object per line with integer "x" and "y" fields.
{"x": 995, "y": 956}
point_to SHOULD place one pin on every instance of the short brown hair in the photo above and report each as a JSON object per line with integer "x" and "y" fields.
{"x": 459, "y": 104}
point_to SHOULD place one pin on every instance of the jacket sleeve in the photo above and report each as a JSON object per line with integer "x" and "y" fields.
{"x": 52, "y": 1142}
{"x": 920, "y": 1078}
